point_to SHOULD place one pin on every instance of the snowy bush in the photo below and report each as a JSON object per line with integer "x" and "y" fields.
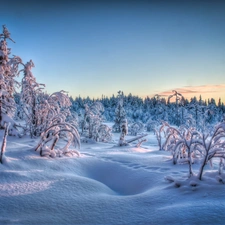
{"x": 104, "y": 133}
{"x": 158, "y": 132}
{"x": 51, "y": 136}
{"x": 92, "y": 126}
{"x": 188, "y": 143}
{"x": 212, "y": 146}
{"x": 183, "y": 144}
{"x": 136, "y": 128}
{"x": 151, "y": 125}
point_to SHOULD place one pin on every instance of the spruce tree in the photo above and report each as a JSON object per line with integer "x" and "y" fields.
{"x": 120, "y": 114}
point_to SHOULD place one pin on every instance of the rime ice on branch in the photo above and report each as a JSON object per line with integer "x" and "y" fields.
{"x": 8, "y": 72}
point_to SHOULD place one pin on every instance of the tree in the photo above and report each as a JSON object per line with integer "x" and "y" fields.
{"x": 187, "y": 143}
{"x": 182, "y": 143}
{"x": 52, "y": 125}
{"x": 41, "y": 109}
{"x": 104, "y": 133}
{"x": 31, "y": 92}
{"x": 213, "y": 145}
{"x": 136, "y": 127}
{"x": 197, "y": 111}
{"x": 50, "y": 137}
{"x": 120, "y": 114}
{"x": 179, "y": 103}
{"x": 8, "y": 72}
{"x": 92, "y": 120}
{"x": 159, "y": 132}
{"x": 124, "y": 132}
{"x": 4, "y": 141}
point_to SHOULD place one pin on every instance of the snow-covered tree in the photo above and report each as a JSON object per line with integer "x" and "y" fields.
{"x": 211, "y": 113}
{"x": 189, "y": 143}
{"x": 179, "y": 103}
{"x": 177, "y": 112}
{"x": 124, "y": 132}
{"x": 159, "y": 132}
{"x": 92, "y": 120}
{"x": 104, "y": 133}
{"x": 31, "y": 93}
{"x": 51, "y": 136}
{"x": 136, "y": 128}
{"x": 197, "y": 112}
{"x": 151, "y": 125}
{"x": 182, "y": 143}
{"x": 53, "y": 125}
{"x": 120, "y": 114}
{"x": 45, "y": 115}
{"x": 212, "y": 146}
{"x": 8, "y": 72}
{"x": 4, "y": 141}
{"x": 41, "y": 109}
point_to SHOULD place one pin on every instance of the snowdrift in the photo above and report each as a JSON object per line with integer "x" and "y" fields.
{"x": 105, "y": 185}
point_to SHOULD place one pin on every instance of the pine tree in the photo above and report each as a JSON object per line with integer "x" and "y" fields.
{"x": 92, "y": 120}
{"x": 120, "y": 114}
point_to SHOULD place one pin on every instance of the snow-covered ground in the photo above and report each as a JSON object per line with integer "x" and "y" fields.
{"x": 105, "y": 185}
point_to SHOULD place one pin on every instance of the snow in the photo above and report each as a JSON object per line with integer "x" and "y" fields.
{"x": 107, "y": 184}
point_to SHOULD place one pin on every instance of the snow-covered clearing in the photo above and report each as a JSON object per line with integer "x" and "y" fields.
{"x": 105, "y": 185}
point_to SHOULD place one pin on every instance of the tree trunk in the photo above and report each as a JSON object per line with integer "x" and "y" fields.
{"x": 0, "y": 108}
{"x": 4, "y": 141}
{"x": 202, "y": 167}
{"x": 54, "y": 143}
{"x": 0, "y": 111}
{"x": 34, "y": 121}
{"x": 190, "y": 163}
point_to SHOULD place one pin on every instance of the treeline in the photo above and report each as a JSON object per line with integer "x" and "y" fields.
{"x": 194, "y": 112}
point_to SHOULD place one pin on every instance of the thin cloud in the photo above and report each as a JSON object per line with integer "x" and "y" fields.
{"x": 207, "y": 91}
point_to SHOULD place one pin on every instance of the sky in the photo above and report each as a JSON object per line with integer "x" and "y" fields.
{"x": 95, "y": 48}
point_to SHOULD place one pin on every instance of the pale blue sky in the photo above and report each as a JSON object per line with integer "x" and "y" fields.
{"x": 90, "y": 48}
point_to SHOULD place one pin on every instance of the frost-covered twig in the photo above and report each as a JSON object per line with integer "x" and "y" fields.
{"x": 159, "y": 132}
{"x": 140, "y": 143}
